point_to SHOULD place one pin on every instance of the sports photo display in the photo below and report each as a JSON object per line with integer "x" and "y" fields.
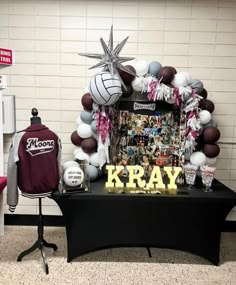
{"x": 149, "y": 140}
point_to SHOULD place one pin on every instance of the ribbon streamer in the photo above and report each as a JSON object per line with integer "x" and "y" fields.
{"x": 104, "y": 126}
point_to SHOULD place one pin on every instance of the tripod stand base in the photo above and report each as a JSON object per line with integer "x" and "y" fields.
{"x": 40, "y": 244}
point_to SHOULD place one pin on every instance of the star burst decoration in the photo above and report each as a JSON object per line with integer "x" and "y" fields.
{"x": 111, "y": 60}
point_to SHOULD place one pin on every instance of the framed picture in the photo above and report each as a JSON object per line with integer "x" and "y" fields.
{"x": 147, "y": 138}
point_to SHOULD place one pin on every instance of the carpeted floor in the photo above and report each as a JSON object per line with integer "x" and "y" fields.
{"x": 112, "y": 266}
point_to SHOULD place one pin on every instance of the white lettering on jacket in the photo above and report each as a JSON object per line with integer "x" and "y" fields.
{"x": 36, "y": 147}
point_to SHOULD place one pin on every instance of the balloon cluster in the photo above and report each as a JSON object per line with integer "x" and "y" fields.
{"x": 165, "y": 83}
{"x": 209, "y": 133}
{"x": 85, "y": 140}
{"x": 92, "y": 136}
{"x": 156, "y": 82}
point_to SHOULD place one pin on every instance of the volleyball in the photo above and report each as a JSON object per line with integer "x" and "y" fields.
{"x": 73, "y": 176}
{"x": 105, "y": 89}
{"x": 70, "y": 163}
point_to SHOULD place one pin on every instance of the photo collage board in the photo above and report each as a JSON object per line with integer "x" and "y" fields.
{"x": 149, "y": 137}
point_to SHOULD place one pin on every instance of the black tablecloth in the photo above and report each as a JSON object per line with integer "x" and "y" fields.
{"x": 192, "y": 222}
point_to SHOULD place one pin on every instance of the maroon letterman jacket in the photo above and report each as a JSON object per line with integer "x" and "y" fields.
{"x": 33, "y": 164}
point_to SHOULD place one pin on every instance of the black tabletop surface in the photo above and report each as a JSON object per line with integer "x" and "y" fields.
{"x": 99, "y": 191}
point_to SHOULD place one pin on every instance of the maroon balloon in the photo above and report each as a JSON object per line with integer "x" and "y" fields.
{"x": 89, "y": 145}
{"x": 174, "y": 69}
{"x": 209, "y": 106}
{"x": 203, "y": 94}
{"x": 127, "y": 92}
{"x": 211, "y": 150}
{"x": 166, "y": 74}
{"x": 198, "y": 146}
{"x": 210, "y": 135}
{"x": 87, "y": 102}
{"x": 126, "y": 77}
{"x": 76, "y": 139}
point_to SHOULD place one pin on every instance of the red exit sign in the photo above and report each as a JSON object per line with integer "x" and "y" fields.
{"x": 6, "y": 56}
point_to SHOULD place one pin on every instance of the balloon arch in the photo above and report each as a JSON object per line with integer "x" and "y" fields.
{"x": 155, "y": 83}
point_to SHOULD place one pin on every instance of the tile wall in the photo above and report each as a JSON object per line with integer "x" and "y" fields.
{"x": 192, "y": 35}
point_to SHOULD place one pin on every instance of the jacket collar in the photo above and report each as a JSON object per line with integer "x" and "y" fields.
{"x": 36, "y": 127}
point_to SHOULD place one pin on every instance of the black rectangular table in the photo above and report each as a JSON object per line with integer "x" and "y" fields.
{"x": 191, "y": 222}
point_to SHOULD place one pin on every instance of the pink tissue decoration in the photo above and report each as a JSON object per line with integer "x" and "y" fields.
{"x": 104, "y": 124}
{"x": 177, "y": 96}
{"x": 187, "y": 130}
{"x": 194, "y": 134}
{"x": 192, "y": 114}
{"x": 193, "y": 93}
{"x": 152, "y": 86}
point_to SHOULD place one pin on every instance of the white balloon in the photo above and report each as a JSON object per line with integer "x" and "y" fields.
{"x": 73, "y": 176}
{"x": 205, "y": 116}
{"x": 84, "y": 131}
{"x": 187, "y": 76}
{"x": 198, "y": 158}
{"x": 70, "y": 163}
{"x": 141, "y": 67}
{"x": 179, "y": 80}
{"x": 81, "y": 156}
{"x": 211, "y": 161}
{"x": 78, "y": 149}
{"x": 138, "y": 84}
{"x": 95, "y": 159}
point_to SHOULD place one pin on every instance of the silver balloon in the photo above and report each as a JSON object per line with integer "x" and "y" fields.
{"x": 92, "y": 172}
{"x": 111, "y": 60}
{"x": 197, "y": 85}
{"x": 86, "y": 117}
{"x": 212, "y": 123}
{"x": 94, "y": 126}
{"x": 154, "y": 68}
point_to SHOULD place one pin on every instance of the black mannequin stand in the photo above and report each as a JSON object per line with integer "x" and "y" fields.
{"x": 35, "y": 119}
{"x": 40, "y": 242}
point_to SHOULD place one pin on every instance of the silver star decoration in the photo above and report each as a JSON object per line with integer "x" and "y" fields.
{"x": 110, "y": 59}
